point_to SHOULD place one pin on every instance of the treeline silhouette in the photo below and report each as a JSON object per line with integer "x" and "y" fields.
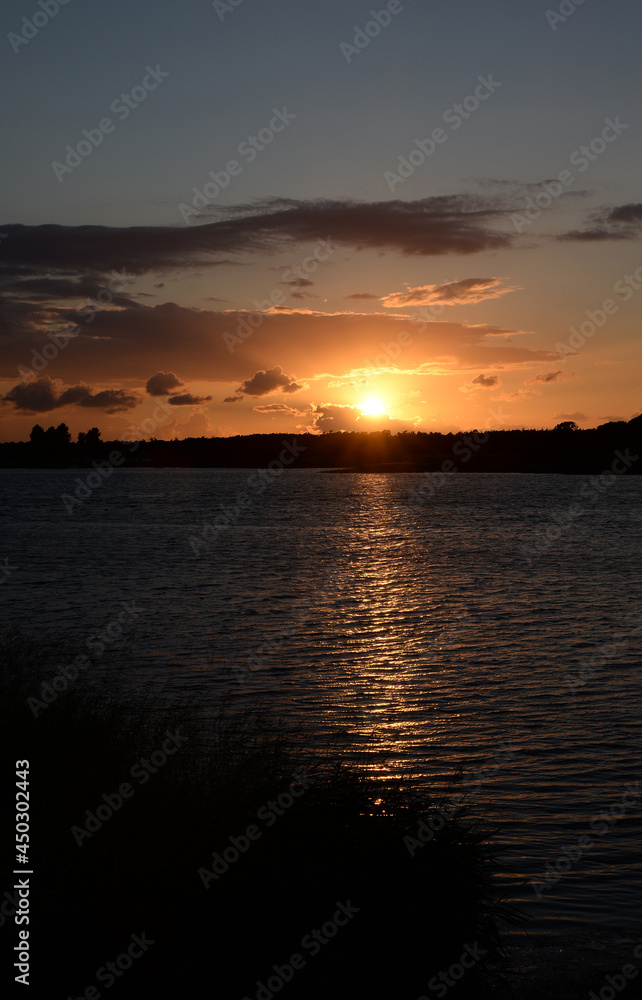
{"x": 564, "y": 449}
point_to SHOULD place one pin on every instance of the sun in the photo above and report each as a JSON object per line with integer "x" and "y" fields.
{"x": 372, "y": 407}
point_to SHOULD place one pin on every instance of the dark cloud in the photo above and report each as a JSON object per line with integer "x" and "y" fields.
{"x": 46, "y": 394}
{"x": 137, "y": 250}
{"x": 57, "y": 287}
{"x": 481, "y": 382}
{"x": 271, "y": 380}
{"x": 163, "y": 382}
{"x": 549, "y": 376}
{"x": 594, "y": 235}
{"x": 111, "y": 400}
{"x": 187, "y": 399}
{"x": 41, "y": 396}
{"x": 299, "y": 282}
{"x": 626, "y": 213}
{"x": 363, "y": 295}
{"x": 624, "y": 222}
{"x": 459, "y": 224}
{"x": 129, "y": 343}
{"x": 516, "y": 190}
{"x": 487, "y": 381}
{"x": 232, "y": 399}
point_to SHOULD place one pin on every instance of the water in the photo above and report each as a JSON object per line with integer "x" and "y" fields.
{"x": 433, "y": 634}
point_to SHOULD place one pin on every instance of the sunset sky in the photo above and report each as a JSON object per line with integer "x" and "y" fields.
{"x": 279, "y": 216}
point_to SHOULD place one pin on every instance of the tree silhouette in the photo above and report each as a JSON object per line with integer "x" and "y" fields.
{"x": 566, "y": 425}
{"x": 52, "y": 444}
{"x": 58, "y": 436}
{"x": 89, "y": 439}
{"x": 37, "y": 436}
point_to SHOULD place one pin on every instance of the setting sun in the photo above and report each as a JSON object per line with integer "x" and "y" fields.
{"x": 372, "y": 407}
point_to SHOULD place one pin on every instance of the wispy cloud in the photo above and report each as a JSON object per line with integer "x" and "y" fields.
{"x": 548, "y": 377}
{"x": 453, "y": 293}
{"x": 624, "y": 222}
{"x": 449, "y": 224}
{"x": 279, "y": 408}
{"x": 188, "y": 399}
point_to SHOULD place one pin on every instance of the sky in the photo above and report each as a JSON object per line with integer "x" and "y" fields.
{"x": 232, "y": 217}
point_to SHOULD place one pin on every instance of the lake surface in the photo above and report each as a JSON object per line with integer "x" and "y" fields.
{"x": 432, "y": 632}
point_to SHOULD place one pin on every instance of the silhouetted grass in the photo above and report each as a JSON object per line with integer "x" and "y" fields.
{"x": 341, "y": 839}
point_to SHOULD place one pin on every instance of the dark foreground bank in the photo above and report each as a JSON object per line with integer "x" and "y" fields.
{"x": 172, "y": 853}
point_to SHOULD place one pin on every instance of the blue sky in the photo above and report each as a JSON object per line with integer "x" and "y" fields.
{"x": 353, "y": 119}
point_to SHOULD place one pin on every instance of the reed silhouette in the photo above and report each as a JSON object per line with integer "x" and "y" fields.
{"x": 144, "y": 869}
